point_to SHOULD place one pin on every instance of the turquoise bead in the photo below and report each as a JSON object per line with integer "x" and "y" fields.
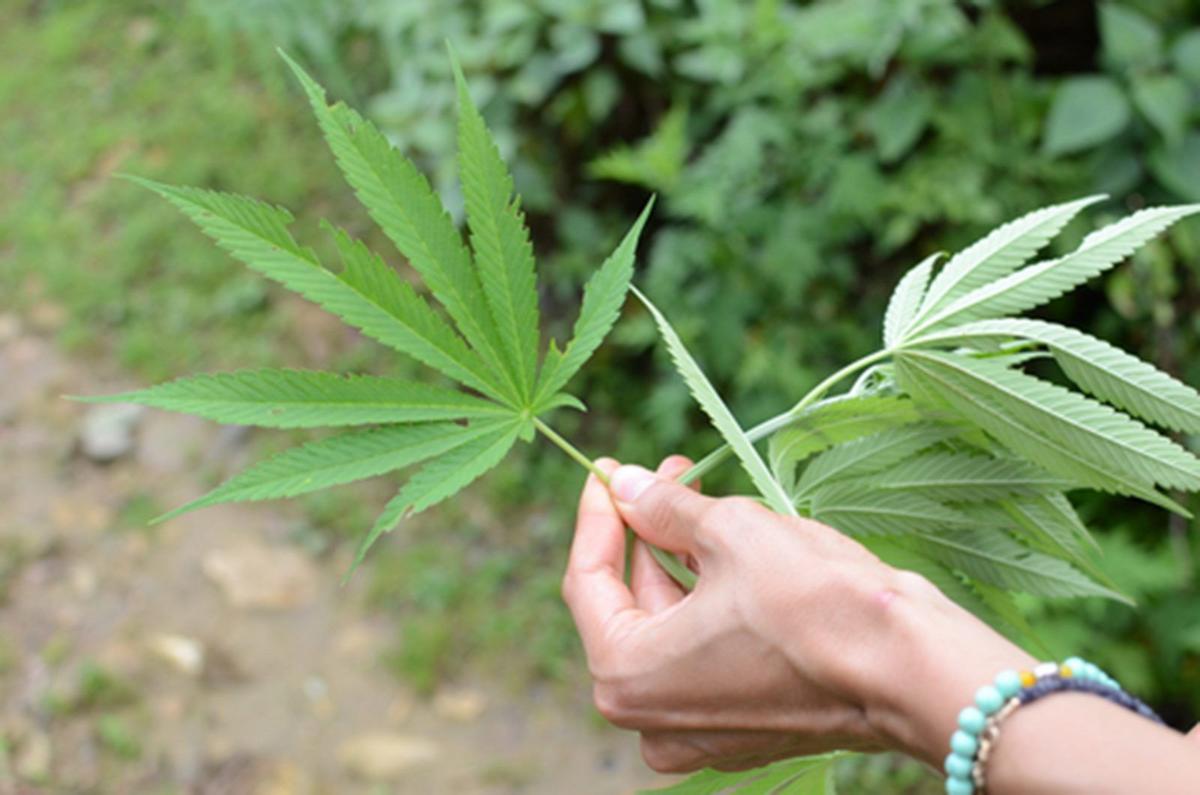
{"x": 957, "y": 786}
{"x": 1090, "y": 672}
{"x": 959, "y": 766}
{"x": 1008, "y": 683}
{"x": 1076, "y": 664}
{"x": 971, "y": 720}
{"x": 988, "y": 699}
{"x": 963, "y": 744}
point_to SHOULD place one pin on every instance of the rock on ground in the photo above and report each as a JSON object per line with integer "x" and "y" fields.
{"x": 385, "y": 757}
{"x": 255, "y": 576}
{"x": 108, "y": 431}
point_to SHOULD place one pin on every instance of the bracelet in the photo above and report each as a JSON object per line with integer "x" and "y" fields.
{"x": 979, "y": 724}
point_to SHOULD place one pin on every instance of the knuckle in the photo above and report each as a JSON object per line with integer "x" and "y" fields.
{"x": 663, "y": 756}
{"x": 610, "y": 702}
{"x": 662, "y": 505}
{"x": 567, "y": 587}
{"x": 723, "y": 517}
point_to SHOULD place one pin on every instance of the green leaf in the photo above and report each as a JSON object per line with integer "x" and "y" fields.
{"x": 833, "y": 422}
{"x": 1086, "y": 111}
{"x": 503, "y": 252}
{"x": 655, "y": 162}
{"x": 1129, "y": 38}
{"x": 306, "y": 399}
{"x": 1036, "y": 284}
{"x": 398, "y": 197}
{"x": 1186, "y": 56}
{"x": 1046, "y": 522}
{"x": 336, "y": 460}
{"x": 804, "y": 775}
{"x": 906, "y": 300}
{"x": 722, "y": 419}
{"x": 857, "y": 509}
{"x": 1096, "y": 367}
{"x": 998, "y": 254}
{"x": 1173, "y": 167}
{"x": 1166, "y": 102}
{"x": 1068, "y": 434}
{"x": 603, "y": 297}
{"x": 993, "y": 557}
{"x": 445, "y": 476}
{"x": 899, "y": 116}
{"x": 870, "y": 454}
{"x": 367, "y": 295}
{"x": 965, "y": 477}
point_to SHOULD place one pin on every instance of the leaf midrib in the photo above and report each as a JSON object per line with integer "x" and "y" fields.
{"x": 1046, "y": 411}
{"x": 1068, "y": 452}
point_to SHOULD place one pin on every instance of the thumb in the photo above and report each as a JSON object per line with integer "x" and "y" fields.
{"x": 664, "y": 512}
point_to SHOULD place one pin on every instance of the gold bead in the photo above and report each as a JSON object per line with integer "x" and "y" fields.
{"x": 1065, "y": 671}
{"x": 1028, "y": 679}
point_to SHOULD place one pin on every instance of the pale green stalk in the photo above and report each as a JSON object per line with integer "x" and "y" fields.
{"x": 768, "y": 427}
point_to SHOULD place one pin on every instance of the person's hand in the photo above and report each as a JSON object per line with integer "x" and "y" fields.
{"x": 795, "y": 640}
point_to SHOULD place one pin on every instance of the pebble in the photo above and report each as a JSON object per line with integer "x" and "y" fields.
{"x": 10, "y": 327}
{"x": 462, "y": 705}
{"x": 258, "y": 577}
{"x": 181, "y": 652}
{"x": 384, "y": 757}
{"x": 283, "y": 778}
{"x": 108, "y": 430}
{"x": 33, "y": 758}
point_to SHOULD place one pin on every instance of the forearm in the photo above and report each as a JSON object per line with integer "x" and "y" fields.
{"x": 1079, "y": 744}
{"x": 939, "y": 655}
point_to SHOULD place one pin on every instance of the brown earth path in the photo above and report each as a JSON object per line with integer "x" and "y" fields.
{"x": 255, "y": 672}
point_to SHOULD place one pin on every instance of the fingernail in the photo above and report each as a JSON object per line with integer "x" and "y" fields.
{"x": 629, "y": 482}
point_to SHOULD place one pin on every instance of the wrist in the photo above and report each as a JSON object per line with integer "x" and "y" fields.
{"x": 933, "y": 657}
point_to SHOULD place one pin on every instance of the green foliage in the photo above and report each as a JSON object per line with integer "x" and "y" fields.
{"x": 117, "y": 737}
{"x": 491, "y": 299}
{"x": 722, "y": 419}
{"x": 803, "y": 776}
{"x": 300, "y": 399}
{"x": 974, "y": 454}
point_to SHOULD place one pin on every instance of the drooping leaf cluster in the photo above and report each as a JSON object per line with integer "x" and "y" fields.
{"x": 947, "y": 456}
{"x": 482, "y": 333}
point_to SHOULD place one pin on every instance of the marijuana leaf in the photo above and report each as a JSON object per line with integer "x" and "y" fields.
{"x": 807, "y": 775}
{"x": 722, "y": 419}
{"x": 487, "y": 341}
{"x": 949, "y": 457}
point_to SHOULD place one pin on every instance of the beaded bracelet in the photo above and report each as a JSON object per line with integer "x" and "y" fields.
{"x": 979, "y": 724}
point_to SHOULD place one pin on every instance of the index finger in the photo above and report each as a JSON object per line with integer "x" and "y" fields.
{"x": 594, "y": 586}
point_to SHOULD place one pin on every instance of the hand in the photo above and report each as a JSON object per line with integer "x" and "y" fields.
{"x": 789, "y": 644}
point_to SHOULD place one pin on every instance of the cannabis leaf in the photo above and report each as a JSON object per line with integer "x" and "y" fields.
{"x": 487, "y": 340}
{"x": 722, "y": 419}
{"x": 802, "y": 776}
{"x": 946, "y": 456}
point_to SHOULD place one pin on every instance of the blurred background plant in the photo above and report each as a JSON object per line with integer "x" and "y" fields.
{"x": 805, "y": 154}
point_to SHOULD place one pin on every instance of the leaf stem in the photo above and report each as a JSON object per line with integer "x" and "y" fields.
{"x": 570, "y": 450}
{"x": 768, "y": 427}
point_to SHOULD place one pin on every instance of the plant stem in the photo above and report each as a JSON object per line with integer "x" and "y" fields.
{"x": 570, "y": 450}
{"x": 768, "y": 427}
{"x": 677, "y": 570}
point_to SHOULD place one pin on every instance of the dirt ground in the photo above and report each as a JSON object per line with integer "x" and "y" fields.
{"x": 211, "y": 655}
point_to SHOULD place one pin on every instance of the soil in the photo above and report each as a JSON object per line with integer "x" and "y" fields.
{"x": 276, "y": 689}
